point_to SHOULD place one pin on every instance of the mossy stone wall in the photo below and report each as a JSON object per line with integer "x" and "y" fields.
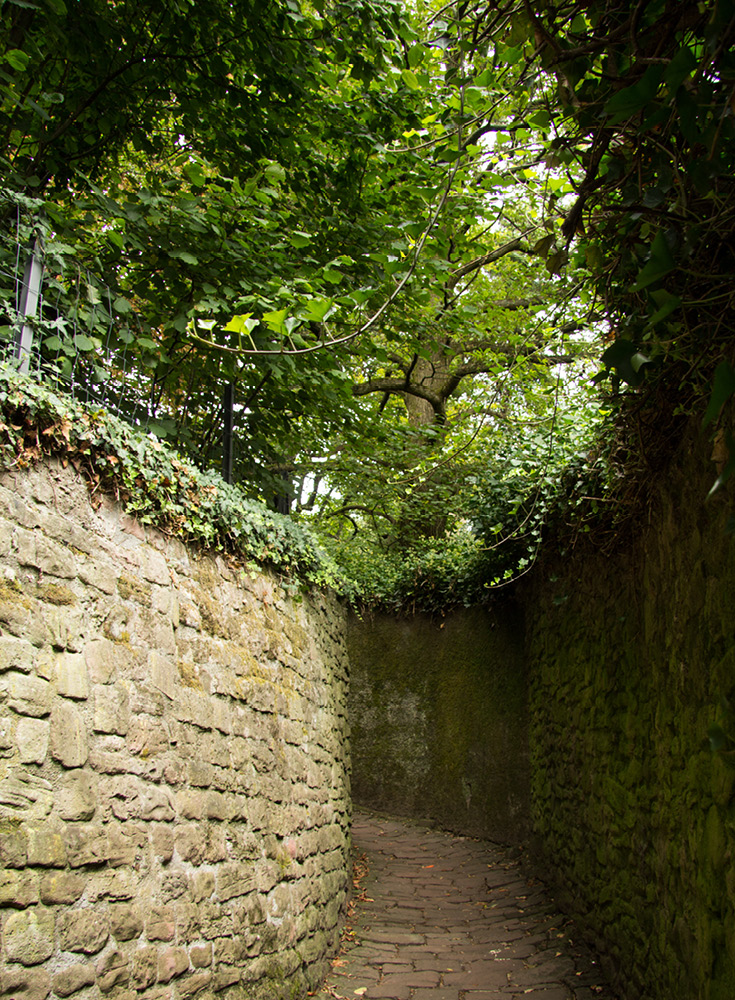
{"x": 629, "y": 658}
{"x": 438, "y": 718}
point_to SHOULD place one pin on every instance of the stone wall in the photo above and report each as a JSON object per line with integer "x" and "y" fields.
{"x": 439, "y": 722}
{"x": 630, "y": 656}
{"x": 174, "y": 790}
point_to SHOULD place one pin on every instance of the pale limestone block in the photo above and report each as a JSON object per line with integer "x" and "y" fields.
{"x": 68, "y": 735}
{"x": 16, "y": 654}
{"x": 25, "y": 546}
{"x": 54, "y": 559}
{"x": 32, "y": 736}
{"x": 101, "y": 656}
{"x": 111, "y": 710}
{"x": 65, "y": 627}
{"x": 222, "y": 715}
{"x": 72, "y": 679}
{"x": 25, "y": 795}
{"x": 27, "y": 695}
{"x": 29, "y": 936}
{"x": 7, "y": 743}
{"x": 162, "y": 671}
{"x": 98, "y": 574}
{"x": 76, "y": 798}
{"x": 155, "y": 568}
{"x": 156, "y": 804}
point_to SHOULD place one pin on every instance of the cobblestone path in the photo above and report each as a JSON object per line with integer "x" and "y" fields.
{"x": 444, "y": 917}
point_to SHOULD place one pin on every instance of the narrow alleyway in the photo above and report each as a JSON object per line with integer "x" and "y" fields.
{"x": 442, "y": 917}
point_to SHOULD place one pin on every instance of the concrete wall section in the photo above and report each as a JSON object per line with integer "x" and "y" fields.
{"x": 174, "y": 789}
{"x": 438, "y": 714}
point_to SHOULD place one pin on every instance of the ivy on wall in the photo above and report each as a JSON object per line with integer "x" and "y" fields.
{"x": 152, "y": 482}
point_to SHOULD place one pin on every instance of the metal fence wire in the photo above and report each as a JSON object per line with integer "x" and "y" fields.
{"x": 65, "y": 330}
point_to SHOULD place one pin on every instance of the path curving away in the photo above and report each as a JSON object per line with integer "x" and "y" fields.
{"x": 444, "y": 917}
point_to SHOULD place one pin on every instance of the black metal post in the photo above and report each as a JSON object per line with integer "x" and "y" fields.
{"x": 227, "y": 436}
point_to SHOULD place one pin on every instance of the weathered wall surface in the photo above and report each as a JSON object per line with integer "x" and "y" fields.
{"x": 438, "y": 716}
{"x": 174, "y": 791}
{"x": 630, "y": 657}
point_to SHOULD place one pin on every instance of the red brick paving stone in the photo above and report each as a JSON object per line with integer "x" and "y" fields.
{"x": 388, "y": 992}
{"x": 439, "y": 994}
{"x": 462, "y": 915}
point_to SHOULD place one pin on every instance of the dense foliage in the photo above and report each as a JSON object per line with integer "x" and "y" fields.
{"x": 404, "y": 237}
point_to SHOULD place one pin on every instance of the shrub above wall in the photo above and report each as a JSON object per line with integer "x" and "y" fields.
{"x": 174, "y": 791}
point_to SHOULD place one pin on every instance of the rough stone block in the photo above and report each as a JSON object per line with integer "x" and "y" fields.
{"x": 190, "y": 803}
{"x": 111, "y": 710}
{"x": 61, "y": 887}
{"x": 7, "y": 743}
{"x": 84, "y": 930}
{"x": 225, "y": 977}
{"x": 187, "y": 922}
{"x": 126, "y": 921}
{"x": 32, "y": 738}
{"x": 194, "y": 984}
{"x": 162, "y": 842}
{"x": 172, "y": 962}
{"x": 127, "y": 843}
{"x": 24, "y": 984}
{"x": 162, "y": 671}
{"x": 214, "y": 921}
{"x": 25, "y": 795}
{"x": 102, "y": 657}
{"x": 96, "y": 573}
{"x": 200, "y": 955}
{"x": 112, "y": 970}
{"x": 236, "y": 879}
{"x": 86, "y": 845}
{"x": 53, "y": 559}
{"x": 73, "y": 978}
{"x": 77, "y": 795}
{"x": 27, "y": 695}
{"x": 144, "y": 967}
{"x": 65, "y": 627}
{"x": 17, "y": 888}
{"x": 72, "y": 679}
{"x": 68, "y": 735}
{"x": 29, "y": 936}
{"x": 16, "y": 654}
{"x": 203, "y": 885}
{"x": 13, "y": 844}
{"x": 156, "y": 803}
{"x": 191, "y": 842}
{"x": 160, "y": 924}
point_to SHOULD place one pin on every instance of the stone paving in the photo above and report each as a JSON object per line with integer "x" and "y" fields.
{"x": 444, "y": 917}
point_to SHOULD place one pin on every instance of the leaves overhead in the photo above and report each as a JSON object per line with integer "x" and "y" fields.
{"x": 401, "y": 234}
